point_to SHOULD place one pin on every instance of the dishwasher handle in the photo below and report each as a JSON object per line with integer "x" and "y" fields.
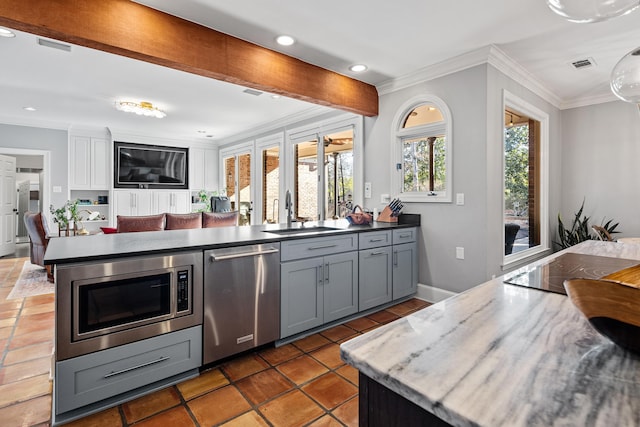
{"x": 215, "y": 257}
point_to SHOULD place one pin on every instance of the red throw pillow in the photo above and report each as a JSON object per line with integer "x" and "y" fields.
{"x": 109, "y": 230}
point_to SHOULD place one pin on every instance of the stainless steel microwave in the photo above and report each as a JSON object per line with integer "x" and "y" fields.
{"x": 105, "y": 304}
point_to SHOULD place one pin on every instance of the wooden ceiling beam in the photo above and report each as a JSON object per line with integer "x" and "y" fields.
{"x": 129, "y": 29}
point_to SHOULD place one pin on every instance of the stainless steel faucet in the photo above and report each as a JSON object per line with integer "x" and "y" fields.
{"x": 288, "y": 207}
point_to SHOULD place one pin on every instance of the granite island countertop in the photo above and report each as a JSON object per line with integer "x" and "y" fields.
{"x": 65, "y": 250}
{"x": 505, "y": 355}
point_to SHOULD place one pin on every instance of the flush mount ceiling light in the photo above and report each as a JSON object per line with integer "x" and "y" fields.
{"x": 625, "y": 77}
{"x": 592, "y": 10}
{"x": 358, "y": 68}
{"x": 285, "y": 40}
{"x": 142, "y": 109}
{"x": 29, "y": 108}
{"x": 6, "y": 33}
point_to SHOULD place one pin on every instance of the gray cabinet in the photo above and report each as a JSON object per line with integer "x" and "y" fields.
{"x": 319, "y": 289}
{"x": 388, "y": 266}
{"x": 405, "y": 269}
{"x": 375, "y": 277}
{"x": 94, "y": 377}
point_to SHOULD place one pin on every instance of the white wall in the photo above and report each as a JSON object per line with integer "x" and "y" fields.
{"x": 475, "y": 98}
{"x": 600, "y": 153}
{"x": 52, "y": 140}
{"x": 444, "y": 225}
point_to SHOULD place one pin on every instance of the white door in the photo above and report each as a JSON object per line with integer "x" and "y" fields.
{"x": 8, "y": 201}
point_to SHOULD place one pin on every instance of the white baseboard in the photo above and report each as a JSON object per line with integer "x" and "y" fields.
{"x": 433, "y": 294}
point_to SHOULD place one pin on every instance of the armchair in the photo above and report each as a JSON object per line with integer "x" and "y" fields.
{"x": 39, "y": 239}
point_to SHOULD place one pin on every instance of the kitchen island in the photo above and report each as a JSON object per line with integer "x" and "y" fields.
{"x": 498, "y": 355}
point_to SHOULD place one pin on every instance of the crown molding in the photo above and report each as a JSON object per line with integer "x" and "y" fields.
{"x": 45, "y": 124}
{"x": 441, "y": 69}
{"x": 274, "y": 125}
{"x": 510, "y": 68}
{"x": 589, "y": 100}
{"x": 498, "y": 59}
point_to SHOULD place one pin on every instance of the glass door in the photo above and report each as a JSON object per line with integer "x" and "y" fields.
{"x": 237, "y": 183}
{"x": 306, "y": 179}
{"x": 338, "y": 173}
{"x": 270, "y": 175}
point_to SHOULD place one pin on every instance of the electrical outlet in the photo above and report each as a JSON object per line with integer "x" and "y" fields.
{"x": 367, "y": 190}
{"x": 459, "y": 199}
{"x": 459, "y": 252}
{"x": 57, "y": 189}
{"x": 385, "y": 198}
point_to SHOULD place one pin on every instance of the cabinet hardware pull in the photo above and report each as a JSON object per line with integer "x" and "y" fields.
{"x": 319, "y": 274}
{"x": 133, "y": 368}
{"x": 243, "y": 254}
{"x": 377, "y": 253}
{"x": 313, "y": 248}
{"x": 376, "y": 240}
{"x": 404, "y": 235}
{"x": 395, "y": 258}
{"x": 327, "y": 275}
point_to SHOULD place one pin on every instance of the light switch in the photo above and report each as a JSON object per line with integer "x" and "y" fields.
{"x": 367, "y": 190}
{"x": 459, "y": 252}
{"x": 459, "y": 199}
{"x": 385, "y": 198}
{"x": 57, "y": 189}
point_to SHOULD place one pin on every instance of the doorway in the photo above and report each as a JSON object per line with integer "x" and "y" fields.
{"x": 31, "y": 167}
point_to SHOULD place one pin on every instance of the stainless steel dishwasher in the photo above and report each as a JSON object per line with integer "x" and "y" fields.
{"x": 241, "y": 299}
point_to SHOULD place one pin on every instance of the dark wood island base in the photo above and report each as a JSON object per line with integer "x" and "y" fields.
{"x": 379, "y": 406}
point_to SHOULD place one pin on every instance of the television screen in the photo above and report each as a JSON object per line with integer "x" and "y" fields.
{"x": 150, "y": 166}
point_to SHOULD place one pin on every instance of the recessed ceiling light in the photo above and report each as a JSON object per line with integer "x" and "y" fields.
{"x": 29, "y": 108}
{"x": 285, "y": 40}
{"x": 275, "y": 96}
{"x": 202, "y": 131}
{"x": 358, "y": 68}
{"x": 6, "y": 33}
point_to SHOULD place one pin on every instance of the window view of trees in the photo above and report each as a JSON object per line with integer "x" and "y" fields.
{"x": 424, "y": 163}
{"x": 516, "y": 169}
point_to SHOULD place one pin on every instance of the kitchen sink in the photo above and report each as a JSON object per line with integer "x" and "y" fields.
{"x": 302, "y": 230}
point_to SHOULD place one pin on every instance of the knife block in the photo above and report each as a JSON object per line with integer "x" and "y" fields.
{"x": 385, "y": 215}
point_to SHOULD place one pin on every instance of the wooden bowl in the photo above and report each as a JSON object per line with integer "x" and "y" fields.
{"x": 612, "y": 308}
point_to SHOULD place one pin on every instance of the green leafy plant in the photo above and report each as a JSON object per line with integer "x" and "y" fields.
{"x": 580, "y": 229}
{"x": 65, "y": 214}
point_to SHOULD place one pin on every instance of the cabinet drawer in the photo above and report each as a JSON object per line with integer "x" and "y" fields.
{"x": 93, "y": 377}
{"x": 374, "y": 239}
{"x": 405, "y": 235}
{"x": 318, "y": 246}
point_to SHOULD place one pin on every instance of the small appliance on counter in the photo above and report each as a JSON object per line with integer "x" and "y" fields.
{"x": 391, "y": 212}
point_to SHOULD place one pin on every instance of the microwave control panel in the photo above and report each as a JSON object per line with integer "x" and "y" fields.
{"x": 183, "y": 290}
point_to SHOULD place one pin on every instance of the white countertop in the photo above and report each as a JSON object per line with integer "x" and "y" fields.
{"x": 504, "y": 355}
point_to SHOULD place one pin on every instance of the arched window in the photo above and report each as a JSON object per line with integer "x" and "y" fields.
{"x": 422, "y": 151}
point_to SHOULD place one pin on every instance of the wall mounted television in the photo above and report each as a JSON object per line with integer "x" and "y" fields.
{"x": 150, "y": 166}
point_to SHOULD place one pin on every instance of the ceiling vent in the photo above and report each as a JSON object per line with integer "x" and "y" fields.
{"x": 581, "y": 64}
{"x": 253, "y": 92}
{"x": 54, "y": 45}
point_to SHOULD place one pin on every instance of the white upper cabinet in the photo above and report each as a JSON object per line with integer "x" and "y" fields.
{"x": 88, "y": 163}
{"x": 203, "y": 169}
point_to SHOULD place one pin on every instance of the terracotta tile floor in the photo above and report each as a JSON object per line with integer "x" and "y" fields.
{"x": 304, "y": 383}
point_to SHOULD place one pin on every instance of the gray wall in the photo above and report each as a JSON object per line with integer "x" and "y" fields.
{"x": 474, "y": 97}
{"x": 52, "y": 140}
{"x": 600, "y": 152}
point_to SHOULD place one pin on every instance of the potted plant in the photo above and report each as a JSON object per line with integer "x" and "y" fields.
{"x": 65, "y": 216}
{"x": 580, "y": 229}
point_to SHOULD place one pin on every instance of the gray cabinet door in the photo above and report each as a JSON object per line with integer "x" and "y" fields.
{"x": 375, "y": 277}
{"x": 340, "y": 285}
{"x": 405, "y": 269}
{"x": 301, "y": 298}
